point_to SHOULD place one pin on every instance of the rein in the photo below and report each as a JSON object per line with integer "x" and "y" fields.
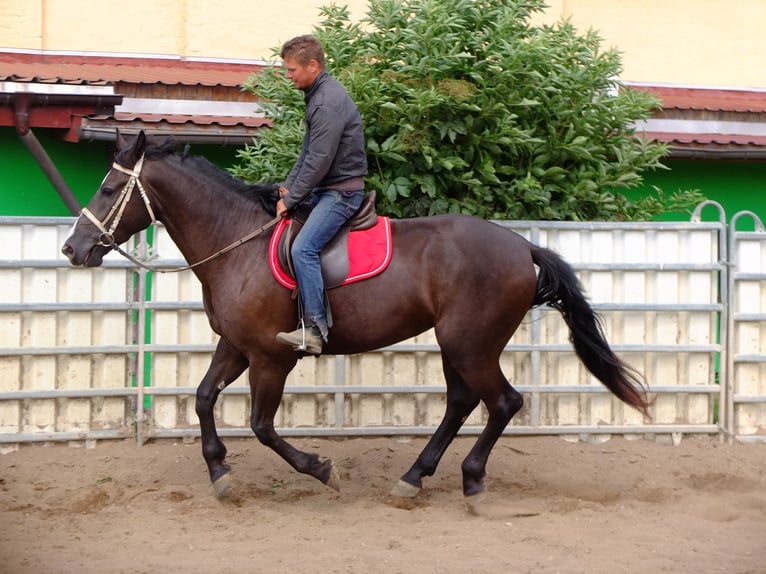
{"x": 106, "y": 239}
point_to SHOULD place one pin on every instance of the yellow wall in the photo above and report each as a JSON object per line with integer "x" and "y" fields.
{"x": 707, "y": 42}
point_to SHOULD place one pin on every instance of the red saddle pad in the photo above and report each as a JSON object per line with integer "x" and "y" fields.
{"x": 369, "y": 252}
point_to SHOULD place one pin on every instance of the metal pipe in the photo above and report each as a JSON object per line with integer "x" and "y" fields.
{"x": 467, "y": 430}
{"x": 100, "y": 102}
{"x": 21, "y": 105}
{"x": 582, "y": 431}
{"x": 140, "y": 375}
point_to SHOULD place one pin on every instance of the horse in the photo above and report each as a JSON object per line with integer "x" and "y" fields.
{"x": 469, "y": 279}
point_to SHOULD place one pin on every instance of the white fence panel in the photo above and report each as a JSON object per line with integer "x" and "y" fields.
{"x": 748, "y": 340}
{"x": 65, "y": 338}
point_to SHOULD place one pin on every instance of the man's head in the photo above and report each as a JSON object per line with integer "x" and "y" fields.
{"x": 304, "y": 60}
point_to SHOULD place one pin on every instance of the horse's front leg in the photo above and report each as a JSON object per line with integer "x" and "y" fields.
{"x": 266, "y": 387}
{"x": 226, "y": 366}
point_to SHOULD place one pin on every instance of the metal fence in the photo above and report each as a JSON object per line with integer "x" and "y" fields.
{"x": 89, "y": 354}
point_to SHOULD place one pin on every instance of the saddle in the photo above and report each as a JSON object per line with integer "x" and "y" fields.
{"x": 340, "y": 262}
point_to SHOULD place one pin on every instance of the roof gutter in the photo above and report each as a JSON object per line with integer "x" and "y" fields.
{"x": 109, "y": 134}
{"x": 750, "y": 153}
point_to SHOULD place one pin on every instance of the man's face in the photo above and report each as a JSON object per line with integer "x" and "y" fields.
{"x": 301, "y": 75}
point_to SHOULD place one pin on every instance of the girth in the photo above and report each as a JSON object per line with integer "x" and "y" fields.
{"x": 334, "y": 257}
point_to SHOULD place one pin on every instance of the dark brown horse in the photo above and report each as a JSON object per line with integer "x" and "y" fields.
{"x": 469, "y": 279}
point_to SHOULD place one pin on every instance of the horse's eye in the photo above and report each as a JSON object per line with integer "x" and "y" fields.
{"x": 107, "y": 191}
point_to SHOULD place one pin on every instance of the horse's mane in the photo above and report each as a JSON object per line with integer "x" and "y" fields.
{"x": 267, "y": 194}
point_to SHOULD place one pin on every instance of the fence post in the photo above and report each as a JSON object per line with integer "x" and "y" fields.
{"x": 725, "y": 327}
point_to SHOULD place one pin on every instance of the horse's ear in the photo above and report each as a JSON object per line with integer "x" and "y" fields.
{"x": 140, "y": 146}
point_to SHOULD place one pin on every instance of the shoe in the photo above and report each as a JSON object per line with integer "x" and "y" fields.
{"x": 308, "y": 340}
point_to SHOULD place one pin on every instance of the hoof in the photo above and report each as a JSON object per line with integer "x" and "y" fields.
{"x": 333, "y": 481}
{"x": 404, "y": 489}
{"x": 221, "y": 485}
{"x": 477, "y": 503}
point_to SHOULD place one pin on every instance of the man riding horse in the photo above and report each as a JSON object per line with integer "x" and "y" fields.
{"x": 328, "y": 175}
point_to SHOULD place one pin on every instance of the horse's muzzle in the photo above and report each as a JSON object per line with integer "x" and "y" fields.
{"x": 92, "y": 257}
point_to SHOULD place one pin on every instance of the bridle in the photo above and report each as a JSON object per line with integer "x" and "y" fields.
{"x": 106, "y": 239}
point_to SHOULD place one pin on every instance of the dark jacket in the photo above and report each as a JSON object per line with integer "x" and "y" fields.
{"x": 333, "y": 146}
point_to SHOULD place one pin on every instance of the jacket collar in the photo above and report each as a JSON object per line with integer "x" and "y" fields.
{"x": 309, "y": 92}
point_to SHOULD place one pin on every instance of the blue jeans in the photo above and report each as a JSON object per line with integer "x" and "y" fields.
{"x": 331, "y": 210}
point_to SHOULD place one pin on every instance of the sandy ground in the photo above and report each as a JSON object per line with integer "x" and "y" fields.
{"x": 622, "y": 506}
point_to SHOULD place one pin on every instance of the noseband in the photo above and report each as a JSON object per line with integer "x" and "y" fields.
{"x": 106, "y": 238}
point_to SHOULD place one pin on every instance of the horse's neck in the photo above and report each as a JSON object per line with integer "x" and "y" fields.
{"x": 202, "y": 219}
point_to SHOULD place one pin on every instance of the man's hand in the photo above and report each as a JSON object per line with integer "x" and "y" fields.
{"x": 281, "y": 208}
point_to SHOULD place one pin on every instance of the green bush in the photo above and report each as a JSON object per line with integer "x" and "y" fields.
{"x": 469, "y": 108}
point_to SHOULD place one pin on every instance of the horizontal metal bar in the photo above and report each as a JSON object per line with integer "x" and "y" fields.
{"x": 70, "y": 307}
{"x": 431, "y": 389}
{"x": 160, "y": 264}
{"x": 333, "y": 390}
{"x": 749, "y": 317}
{"x": 516, "y": 225}
{"x": 24, "y": 437}
{"x": 611, "y": 226}
{"x": 175, "y": 305}
{"x": 466, "y": 430}
{"x": 561, "y": 348}
{"x": 399, "y": 347}
{"x": 743, "y": 276}
{"x": 618, "y": 266}
{"x": 743, "y": 399}
{"x": 67, "y": 393}
{"x": 750, "y": 358}
{"x": 80, "y": 350}
{"x": 9, "y": 438}
{"x": 108, "y": 263}
{"x": 198, "y": 306}
{"x": 658, "y": 307}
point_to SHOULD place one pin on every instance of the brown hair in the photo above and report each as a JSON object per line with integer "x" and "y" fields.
{"x": 303, "y": 49}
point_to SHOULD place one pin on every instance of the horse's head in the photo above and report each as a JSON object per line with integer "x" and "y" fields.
{"x": 119, "y": 209}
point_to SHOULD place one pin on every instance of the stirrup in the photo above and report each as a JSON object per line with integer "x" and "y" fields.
{"x": 301, "y": 341}
{"x": 302, "y": 346}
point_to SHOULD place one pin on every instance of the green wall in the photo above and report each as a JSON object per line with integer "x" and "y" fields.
{"x": 25, "y": 190}
{"x": 736, "y": 185}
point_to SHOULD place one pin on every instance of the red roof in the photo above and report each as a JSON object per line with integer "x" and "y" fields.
{"x": 717, "y": 139}
{"x": 728, "y": 122}
{"x": 710, "y": 99}
{"x": 732, "y": 141}
{"x": 66, "y": 69}
{"x": 246, "y": 121}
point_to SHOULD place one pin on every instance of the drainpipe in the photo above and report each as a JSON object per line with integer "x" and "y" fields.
{"x": 21, "y": 105}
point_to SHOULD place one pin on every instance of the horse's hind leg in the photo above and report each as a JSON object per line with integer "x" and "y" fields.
{"x": 226, "y": 366}
{"x": 461, "y": 401}
{"x": 502, "y": 402}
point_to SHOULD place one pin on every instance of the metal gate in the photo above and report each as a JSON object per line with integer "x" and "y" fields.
{"x": 115, "y": 352}
{"x": 744, "y": 417}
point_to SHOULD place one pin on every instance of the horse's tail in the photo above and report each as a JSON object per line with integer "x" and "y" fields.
{"x": 559, "y": 287}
